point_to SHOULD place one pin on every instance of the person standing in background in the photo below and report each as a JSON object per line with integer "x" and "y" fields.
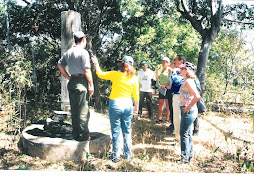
{"x": 175, "y": 82}
{"x": 163, "y": 80}
{"x": 145, "y": 77}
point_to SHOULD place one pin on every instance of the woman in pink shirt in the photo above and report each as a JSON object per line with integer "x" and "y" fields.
{"x": 189, "y": 96}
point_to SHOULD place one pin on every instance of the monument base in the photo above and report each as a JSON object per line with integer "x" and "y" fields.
{"x": 62, "y": 146}
{"x": 66, "y": 148}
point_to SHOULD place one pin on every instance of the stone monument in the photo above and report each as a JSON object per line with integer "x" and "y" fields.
{"x": 70, "y": 23}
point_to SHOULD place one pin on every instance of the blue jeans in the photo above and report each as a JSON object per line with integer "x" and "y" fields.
{"x": 185, "y": 133}
{"x": 120, "y": 115}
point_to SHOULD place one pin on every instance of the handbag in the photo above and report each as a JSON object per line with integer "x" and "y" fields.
{"x": 201, "y": 105}
{"x": 162, "y": 91}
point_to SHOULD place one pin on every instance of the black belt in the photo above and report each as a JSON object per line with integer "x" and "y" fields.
{"x": 78, "y": 75}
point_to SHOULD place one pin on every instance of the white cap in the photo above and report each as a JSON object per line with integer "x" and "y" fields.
{"x": 165, "y": 59}
{"x": 79, "y": 35}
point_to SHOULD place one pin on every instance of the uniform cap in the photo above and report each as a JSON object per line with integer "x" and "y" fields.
{"x": 79, "y": 35}
{"x": 128, "y": 60}
{"x": 144, "y": 62}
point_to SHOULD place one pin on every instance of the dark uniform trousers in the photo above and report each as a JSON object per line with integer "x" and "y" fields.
{"x": 79, "y": 98}
{"x": 148, "y": 97}
{"x": 170, "y": 105}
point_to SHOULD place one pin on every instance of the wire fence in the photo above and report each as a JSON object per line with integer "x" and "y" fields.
{"x": 238, "y": 102}
{"x": 231, "y": 97}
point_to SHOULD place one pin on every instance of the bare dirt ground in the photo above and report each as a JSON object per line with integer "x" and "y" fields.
{"x": 225, "y": 144}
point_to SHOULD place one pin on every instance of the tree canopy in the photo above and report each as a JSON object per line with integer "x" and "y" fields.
{"x": 146, "y": 30}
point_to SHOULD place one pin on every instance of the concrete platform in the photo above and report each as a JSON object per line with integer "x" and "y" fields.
{"x": 57, "y": 149}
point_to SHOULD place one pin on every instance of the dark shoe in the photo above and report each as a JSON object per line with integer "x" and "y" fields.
{"x": 195, "y": 132}
{"x": 116, "y": 159}
{"x": 83, "y": 138}
{"x": 170, "y": 129}
{"x": 185, "y": 160}
{"x": 137, "y": 116}
{"x": 158, "y": 121}
{"x": 172, "y": 133}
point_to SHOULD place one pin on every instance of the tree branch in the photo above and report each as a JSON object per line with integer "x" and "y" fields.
{"x": 241, "y": 22}
{"x": 196, "y": 23}
{"x": 195, "y": 7}
{"x": 216, "y": 18}
{"x": 26, "y": 2}
{"x": 185, "y": 6}
{"x": 178, "y": 6}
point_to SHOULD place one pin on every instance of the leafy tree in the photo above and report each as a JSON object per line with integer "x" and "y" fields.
{"x": 229, "y": 71}
{"x": 239, "y": 15}
{"x": 15, "y": 80}
{"x": 206, "y": 18}
{"x": 146, "y": 30}
{"x": 37, "y": 39}
{"x": 152, "y": 29}
{"x": 143, "y": 29}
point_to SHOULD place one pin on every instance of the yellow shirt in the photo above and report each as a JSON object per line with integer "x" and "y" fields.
{"x": 122, "y": 85}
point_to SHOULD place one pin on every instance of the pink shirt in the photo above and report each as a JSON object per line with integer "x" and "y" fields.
{"x": 185, "y": 95}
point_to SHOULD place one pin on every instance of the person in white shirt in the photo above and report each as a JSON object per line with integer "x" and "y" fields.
{"x": 145, "y": 77}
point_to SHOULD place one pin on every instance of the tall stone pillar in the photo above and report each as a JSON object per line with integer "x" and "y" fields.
{"x": 70, "y": 23}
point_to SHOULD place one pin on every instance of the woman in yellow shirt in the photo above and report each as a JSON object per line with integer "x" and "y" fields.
{"x": 124, "y": 88}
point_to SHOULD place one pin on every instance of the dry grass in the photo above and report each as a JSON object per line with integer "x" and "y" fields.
{"x": 225, "y": 144}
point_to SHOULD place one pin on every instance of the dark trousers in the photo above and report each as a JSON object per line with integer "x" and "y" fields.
{"x": 196, "y": 124}
{"x": 148, "y": 97}
{"x": 79, "y": 97}
{"x": 170, "y": 105}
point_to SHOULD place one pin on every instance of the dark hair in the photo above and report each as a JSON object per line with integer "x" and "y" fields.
{"x": 181, "y": 58}
{"x": 78, "y": 40}
{"x": 131, "y": 71}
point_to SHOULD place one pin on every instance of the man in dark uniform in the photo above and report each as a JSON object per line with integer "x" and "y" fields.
{"x": 80, "y": 84}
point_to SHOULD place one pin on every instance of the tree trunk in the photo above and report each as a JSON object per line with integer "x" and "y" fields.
{"x": 202, "y": 61}
{"x": 7, "y": 26}
{"x": 97, "y": 94}
{"x": 208, "y": 32}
